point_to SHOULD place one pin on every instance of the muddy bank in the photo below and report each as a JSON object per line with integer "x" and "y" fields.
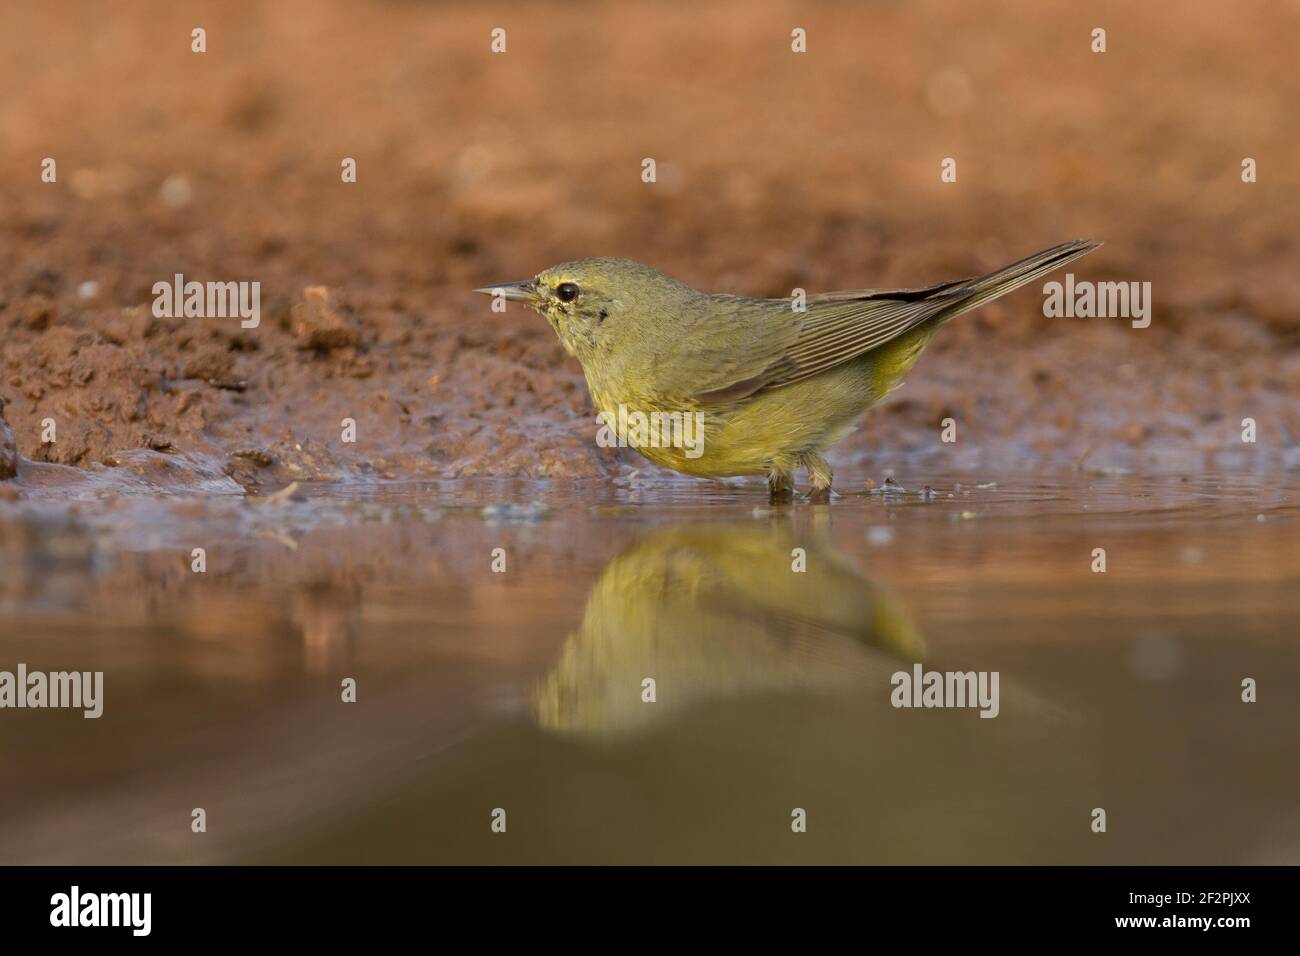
{"x": 775, "y": 171}
{"x": 8, "y": 447}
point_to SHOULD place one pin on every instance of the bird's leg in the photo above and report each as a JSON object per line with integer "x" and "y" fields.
{"x": 781, "y": 484}
{"x": 820, "y": 477}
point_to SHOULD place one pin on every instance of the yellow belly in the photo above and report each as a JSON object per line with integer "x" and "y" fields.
{"x": 770, "y": 430}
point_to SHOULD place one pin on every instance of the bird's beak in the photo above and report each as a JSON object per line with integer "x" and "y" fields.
{"x": 524, "y": 290}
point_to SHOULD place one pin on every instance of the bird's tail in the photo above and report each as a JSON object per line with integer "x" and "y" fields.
{"x": 972, "y": 293}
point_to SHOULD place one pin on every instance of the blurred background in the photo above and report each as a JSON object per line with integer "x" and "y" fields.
{"x": 775, "y": 170}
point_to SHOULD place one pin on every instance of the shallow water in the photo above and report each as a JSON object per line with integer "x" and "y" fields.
{"x": 522, "y": 690}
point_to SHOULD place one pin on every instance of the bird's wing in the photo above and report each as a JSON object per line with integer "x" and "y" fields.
{"x": 726, "y": 349}
{"x": 783, "y": 346}
{"x": 838, "y": 329}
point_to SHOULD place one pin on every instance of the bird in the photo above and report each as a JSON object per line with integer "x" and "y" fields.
{"x": 713, "y": 612}
{"x": 772, "y": 383}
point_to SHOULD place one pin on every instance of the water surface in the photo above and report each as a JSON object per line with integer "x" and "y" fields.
{"x": 522, "y": 690}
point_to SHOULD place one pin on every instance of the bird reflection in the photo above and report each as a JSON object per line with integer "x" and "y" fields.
{"x": 713, "y": 612}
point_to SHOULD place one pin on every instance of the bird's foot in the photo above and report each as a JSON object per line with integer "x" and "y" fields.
{"x": 781, "y": 486}
{"x": 820, "y": 477}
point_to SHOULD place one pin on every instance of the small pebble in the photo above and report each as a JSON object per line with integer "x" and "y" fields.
{"x": 889, "y": 487}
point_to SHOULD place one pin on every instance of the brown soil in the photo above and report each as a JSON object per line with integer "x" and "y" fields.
{"x": 776, "y": 170}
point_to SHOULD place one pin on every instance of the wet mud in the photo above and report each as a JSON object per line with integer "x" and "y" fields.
{"x": 817, "y": 171}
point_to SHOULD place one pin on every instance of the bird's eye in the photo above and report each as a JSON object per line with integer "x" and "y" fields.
{"x": 566, "y": 291}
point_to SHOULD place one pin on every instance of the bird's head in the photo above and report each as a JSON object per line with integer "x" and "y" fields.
{"x": 588, "y": 299}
